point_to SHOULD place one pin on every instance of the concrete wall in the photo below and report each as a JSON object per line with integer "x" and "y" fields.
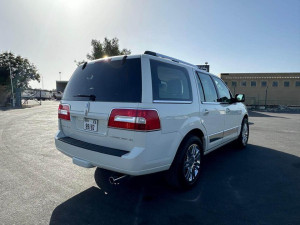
{"x": 256, "y": 95}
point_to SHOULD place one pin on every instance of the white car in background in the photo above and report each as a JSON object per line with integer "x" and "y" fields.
{"x": 142, "y": 114}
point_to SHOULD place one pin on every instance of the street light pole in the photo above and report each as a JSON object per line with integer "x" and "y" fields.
{"x": 60, "y": 76}
{"x": 266, "y": 96}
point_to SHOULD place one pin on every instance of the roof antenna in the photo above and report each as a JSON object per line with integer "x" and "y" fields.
{"x": 124, "y": 59}
{"x": 84, "y": 65}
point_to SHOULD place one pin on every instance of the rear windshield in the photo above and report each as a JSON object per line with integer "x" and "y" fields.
{"x": 106, "y": 81}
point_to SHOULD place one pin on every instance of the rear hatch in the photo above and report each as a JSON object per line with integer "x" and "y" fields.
{"x": 94, "y": 90}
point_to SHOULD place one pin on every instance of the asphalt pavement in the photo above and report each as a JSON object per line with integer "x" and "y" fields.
{"x": 257, "y": 185}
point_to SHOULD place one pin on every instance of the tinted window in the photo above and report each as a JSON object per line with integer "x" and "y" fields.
{"x": 200, "y": 89}
{"x": 224, "y": 94}
{"x": 170, "y": 82}
{"x": 286, "y": 83}
{"x": 264, "y": 83}
{"x": 208, "y": 88}
{"x": 275, "y": 84}
{"x": 108, "y": 81}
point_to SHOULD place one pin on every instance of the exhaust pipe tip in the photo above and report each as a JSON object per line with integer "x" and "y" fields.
{"x": 112, "y": 180}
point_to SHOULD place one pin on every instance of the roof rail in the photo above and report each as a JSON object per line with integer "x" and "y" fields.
{"x": 168, "y": 57}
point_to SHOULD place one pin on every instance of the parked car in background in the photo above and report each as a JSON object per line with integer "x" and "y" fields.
{"x": 58, "y": 95}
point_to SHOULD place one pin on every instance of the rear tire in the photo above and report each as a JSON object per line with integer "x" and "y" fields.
{"x": 186, "y": 167}
{"x": 243, "y": 138}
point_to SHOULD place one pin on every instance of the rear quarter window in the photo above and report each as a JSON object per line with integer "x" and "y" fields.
{"x": 108, "y": 81}
{"x": 170, "y": 82}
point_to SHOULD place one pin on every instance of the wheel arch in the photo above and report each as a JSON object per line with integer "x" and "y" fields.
{"x": 194, "y": 132}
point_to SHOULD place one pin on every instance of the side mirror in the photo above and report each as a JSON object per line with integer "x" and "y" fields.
{"x": 239, "y": 98}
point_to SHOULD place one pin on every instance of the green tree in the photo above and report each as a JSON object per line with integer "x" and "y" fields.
{"x": 106, "y": 48}
{"x": 22, "y": 70}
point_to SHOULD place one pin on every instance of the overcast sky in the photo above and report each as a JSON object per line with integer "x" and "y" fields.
{"x": 232, "y": 36}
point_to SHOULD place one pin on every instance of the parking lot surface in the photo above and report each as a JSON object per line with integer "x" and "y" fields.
{"x": 257, "y": 185}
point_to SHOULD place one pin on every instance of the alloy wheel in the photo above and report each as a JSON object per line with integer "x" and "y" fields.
{"x": 192, "y": 162}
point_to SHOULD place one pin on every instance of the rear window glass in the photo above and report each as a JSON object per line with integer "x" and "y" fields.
{"x": 170, "y": 82}
{"x": 107, "y": 81}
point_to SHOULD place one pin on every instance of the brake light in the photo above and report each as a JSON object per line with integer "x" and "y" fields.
{"x": 134, "y": 119}
{"x": 64, "y": 112}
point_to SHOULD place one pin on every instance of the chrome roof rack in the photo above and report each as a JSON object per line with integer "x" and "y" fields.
{"x": 168, "y": 57}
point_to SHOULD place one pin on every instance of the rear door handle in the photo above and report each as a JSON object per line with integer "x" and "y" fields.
{"x": 206, "y": 111}
{"x": 227, "y": 110}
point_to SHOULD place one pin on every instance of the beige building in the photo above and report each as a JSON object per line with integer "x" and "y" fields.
{"x": 265, "y": 88}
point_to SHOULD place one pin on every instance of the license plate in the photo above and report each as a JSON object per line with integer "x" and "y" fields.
{"x": 90, "y": 125}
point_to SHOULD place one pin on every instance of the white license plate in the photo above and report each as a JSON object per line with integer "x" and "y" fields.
{"x": 90, "y": 125}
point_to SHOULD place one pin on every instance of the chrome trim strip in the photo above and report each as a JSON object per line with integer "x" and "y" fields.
{"x": 219, "y": 145}
{"x": 216, "y": 136}
{"x": 126, "y": 119}
{"x": 172, "y": 102}
{"x": 230, "y": 131}
{"x": 211, "y": 103}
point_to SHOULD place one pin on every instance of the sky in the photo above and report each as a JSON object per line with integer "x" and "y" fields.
{"x": 232, "y": 35}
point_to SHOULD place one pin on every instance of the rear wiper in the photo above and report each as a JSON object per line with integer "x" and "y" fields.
{"x": 92, "y": 97}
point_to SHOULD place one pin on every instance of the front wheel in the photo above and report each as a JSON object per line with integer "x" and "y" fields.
{"x": 186, "y": 167}
{"x": 242, "y": 140}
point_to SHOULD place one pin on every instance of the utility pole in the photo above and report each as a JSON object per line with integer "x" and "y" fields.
{"x": 42, "y": 82}
{"x": 12, "y": 87}
{"x": 60, "y": 76}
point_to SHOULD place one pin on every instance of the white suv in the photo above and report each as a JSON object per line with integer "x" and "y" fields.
{"x": 141, "y": 114}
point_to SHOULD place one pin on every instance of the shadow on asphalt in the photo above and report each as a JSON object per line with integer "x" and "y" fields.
{"x": 256, "y": 185}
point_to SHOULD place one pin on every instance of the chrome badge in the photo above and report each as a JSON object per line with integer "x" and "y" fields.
{"x": 87, "y": 108}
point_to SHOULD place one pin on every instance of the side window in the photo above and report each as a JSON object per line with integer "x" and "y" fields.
{"x": 224, "y": 94}
{"x": 200, "y": 89}
{"x": 170, "y": 82}
{"x": 275, "y": 84}
{"x": 286, "y": 83}
{"x": 208, "y": 88}
{"x": 264, "y": 83}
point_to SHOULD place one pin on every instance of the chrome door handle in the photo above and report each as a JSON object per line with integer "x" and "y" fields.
{"x": 227, "y": 110}
{"x": 206, "y": 111}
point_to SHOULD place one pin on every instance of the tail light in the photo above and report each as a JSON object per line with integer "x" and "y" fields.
{"x": 134, "y": 119}
{"x": 64, "y": 111}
